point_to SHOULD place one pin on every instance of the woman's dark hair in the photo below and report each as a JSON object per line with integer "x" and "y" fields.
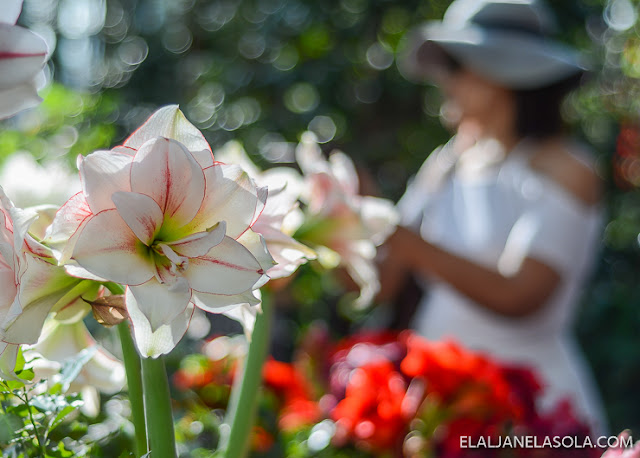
{"x": 538, "y": 110}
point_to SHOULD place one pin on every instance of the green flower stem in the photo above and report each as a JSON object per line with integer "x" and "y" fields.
{"x": 114, "y": 288}
{"x": 133, "y": 369}
{"x": 157, "y": 408}
{"x": 77, "y": 291}
{"x": 242, "y": 405}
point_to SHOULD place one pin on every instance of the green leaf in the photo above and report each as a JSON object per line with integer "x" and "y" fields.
{"x": 13, "y": 385}
{"x": 61, "y": 452}
{"x": 61, "y": 415}
{"x": 9, "y": 424}
{"x": 25, "y": 374}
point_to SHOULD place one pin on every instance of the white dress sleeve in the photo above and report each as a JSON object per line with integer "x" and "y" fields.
{"x": 554, "y": 228}
{"x": 413, "y": 205}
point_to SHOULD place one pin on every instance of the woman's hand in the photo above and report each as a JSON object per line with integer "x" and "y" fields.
{"x": 520, "y": 294}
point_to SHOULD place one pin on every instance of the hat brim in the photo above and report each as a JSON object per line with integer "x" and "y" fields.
{"x": 509, "y": 58}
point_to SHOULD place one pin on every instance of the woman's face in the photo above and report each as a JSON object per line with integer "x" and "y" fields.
{"x": 471, "y": 98}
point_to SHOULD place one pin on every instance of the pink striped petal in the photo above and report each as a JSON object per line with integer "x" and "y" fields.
{"x": 159, "y": 303}
{"x": 104, "y": 173}
{"x": 228, "y": 268}
{"x": 200, "y": 243}
{"x": 107, "y": 247}
{"x": 231, "y": 196}
{"x": 22, "y": 55}
{"x": 67, "y": 225}
{"x": 169, "y": 122}
{"x": 141, "y": 213}
{"x": 68, "y": 218}
{"x": 152, "y": 343}
{"x": 262, "y": 194}
{"x": 167, "y": 172}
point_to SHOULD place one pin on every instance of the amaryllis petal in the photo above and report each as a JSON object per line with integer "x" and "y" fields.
{"x": 18, "y": 98}
{"x": 37, "y": 279}
{"x": 231, "y": 197}
{"x": 72, "y": 268}
{"x": 124, "y": 150}
{"x": 288, "y": 254}
{"x": 218, "y": 303}
{"x": 365, "y": 274}
{"x": 141, "y": 213}
{"x": 10, "y": 11}
{"x": 103, "y": 173}
{"x": 68, "y": 219}
{"x": 261, "y": 193}
{"x": 8, "y": 358}
{"x": 228, "y": 268}
{"x": 67, "y": 225}
{"x": 20, "y": 218}
{"x": 8, "y": 287}
{"x": 257, "y": 245}
{"x": 309, "y": 155}
{"x": 204, "y": 158}
{"x": 200, "y": 243}
{"x": 161, "y": 341}
{"x": 345, "y": 172}
{"x": 167, "y": 172}
{"x": 108, "y": 248}
{"x": 169, "y": 122}
{"x": 26, "y": 327}
{"x": 380, "y": 218}
{"x": 244, "y": 314}
{"x": 159, "y": 303}
{"x": 22, "y": 55}
{"x": 232, "y": 152}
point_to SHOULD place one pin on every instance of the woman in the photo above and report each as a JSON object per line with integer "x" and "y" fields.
{"x": 503, "y": 222}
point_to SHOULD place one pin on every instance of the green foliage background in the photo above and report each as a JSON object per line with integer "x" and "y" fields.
{"x": 263, "y": 71}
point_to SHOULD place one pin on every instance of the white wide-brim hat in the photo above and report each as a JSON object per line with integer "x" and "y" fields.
{"x": 506, "y": 41}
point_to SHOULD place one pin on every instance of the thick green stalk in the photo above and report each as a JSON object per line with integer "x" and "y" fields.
{"x": 242, "y": 405}
{"x": 133, "y": 369}
{"x": 157, "y": 408}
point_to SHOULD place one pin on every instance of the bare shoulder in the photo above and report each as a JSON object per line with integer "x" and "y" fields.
{"x": 565, "y": 164}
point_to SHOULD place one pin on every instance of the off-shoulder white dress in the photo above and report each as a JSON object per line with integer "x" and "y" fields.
{"x": 496, "y": 218}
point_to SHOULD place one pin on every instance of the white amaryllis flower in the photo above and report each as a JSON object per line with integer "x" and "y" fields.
{"x": 281, "y": 215}
{"x": 160, "y": 216}
{"x": 351, "y": 226}
{"x": 31, "y": 283}
{"x": 60, "y": 342}
{"x": 22, "y": 58}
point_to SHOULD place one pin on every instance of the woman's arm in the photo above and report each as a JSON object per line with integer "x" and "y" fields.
{"x": 516, "y": 295}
